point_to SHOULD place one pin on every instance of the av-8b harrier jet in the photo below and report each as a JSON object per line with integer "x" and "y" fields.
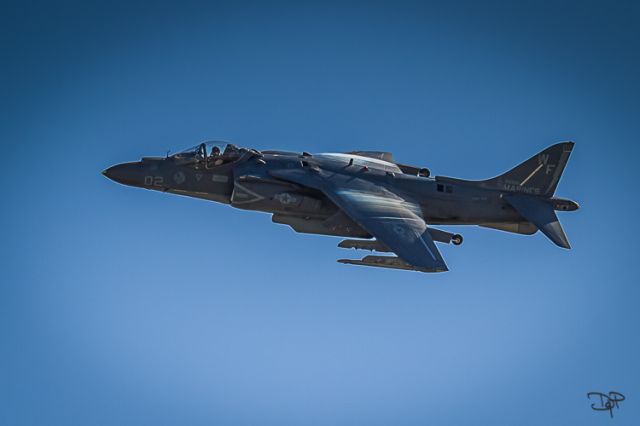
{"x": 378, "y": 204}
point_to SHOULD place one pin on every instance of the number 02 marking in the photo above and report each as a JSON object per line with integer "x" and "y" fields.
{"x": 153, "y": 180}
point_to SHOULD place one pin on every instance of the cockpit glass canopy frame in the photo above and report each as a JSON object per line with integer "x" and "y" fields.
{"x": 209, "y": 146}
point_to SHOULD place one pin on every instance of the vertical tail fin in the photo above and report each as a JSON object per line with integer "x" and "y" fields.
{"x": 539, "y": 175}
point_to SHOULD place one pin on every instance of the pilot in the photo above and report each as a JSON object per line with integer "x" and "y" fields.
{"x": 215, "y": 156}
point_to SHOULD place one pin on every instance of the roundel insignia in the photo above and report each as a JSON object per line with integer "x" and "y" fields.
{"x": 179, "y": 178}
{"x": 286, "y": 198}
{"x": 403, "y": 232}
{"x": 399, "y": 229}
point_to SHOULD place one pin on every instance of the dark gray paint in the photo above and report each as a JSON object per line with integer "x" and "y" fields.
{"x": 365, "y": 195}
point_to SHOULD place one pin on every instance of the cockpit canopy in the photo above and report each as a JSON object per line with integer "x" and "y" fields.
{"x": 211, "y": 153}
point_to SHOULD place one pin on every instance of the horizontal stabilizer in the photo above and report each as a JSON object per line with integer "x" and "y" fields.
{"x": 541, "y": 213}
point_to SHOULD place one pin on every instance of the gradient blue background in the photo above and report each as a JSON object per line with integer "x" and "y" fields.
{"x": 120, "y": 306}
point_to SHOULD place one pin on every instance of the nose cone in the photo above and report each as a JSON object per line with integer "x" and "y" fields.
{"x": 126, "y": 174}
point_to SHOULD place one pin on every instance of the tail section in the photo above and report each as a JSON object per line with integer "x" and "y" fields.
{"x": 539, "y": 175}
{"x": 540, "y": 213}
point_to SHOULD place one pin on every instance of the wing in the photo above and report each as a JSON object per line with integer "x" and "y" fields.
{"x": 393, "y": 219}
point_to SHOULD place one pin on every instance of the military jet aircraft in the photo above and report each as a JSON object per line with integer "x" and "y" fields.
{"x": 378, "y": 204}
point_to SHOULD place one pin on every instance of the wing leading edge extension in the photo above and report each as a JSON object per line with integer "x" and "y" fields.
{"x": 394, "y": 220}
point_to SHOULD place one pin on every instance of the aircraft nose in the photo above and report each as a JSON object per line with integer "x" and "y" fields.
{"x": 125, "y": 173}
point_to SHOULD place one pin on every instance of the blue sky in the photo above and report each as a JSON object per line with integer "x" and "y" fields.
{"x": 123, "y": 306}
